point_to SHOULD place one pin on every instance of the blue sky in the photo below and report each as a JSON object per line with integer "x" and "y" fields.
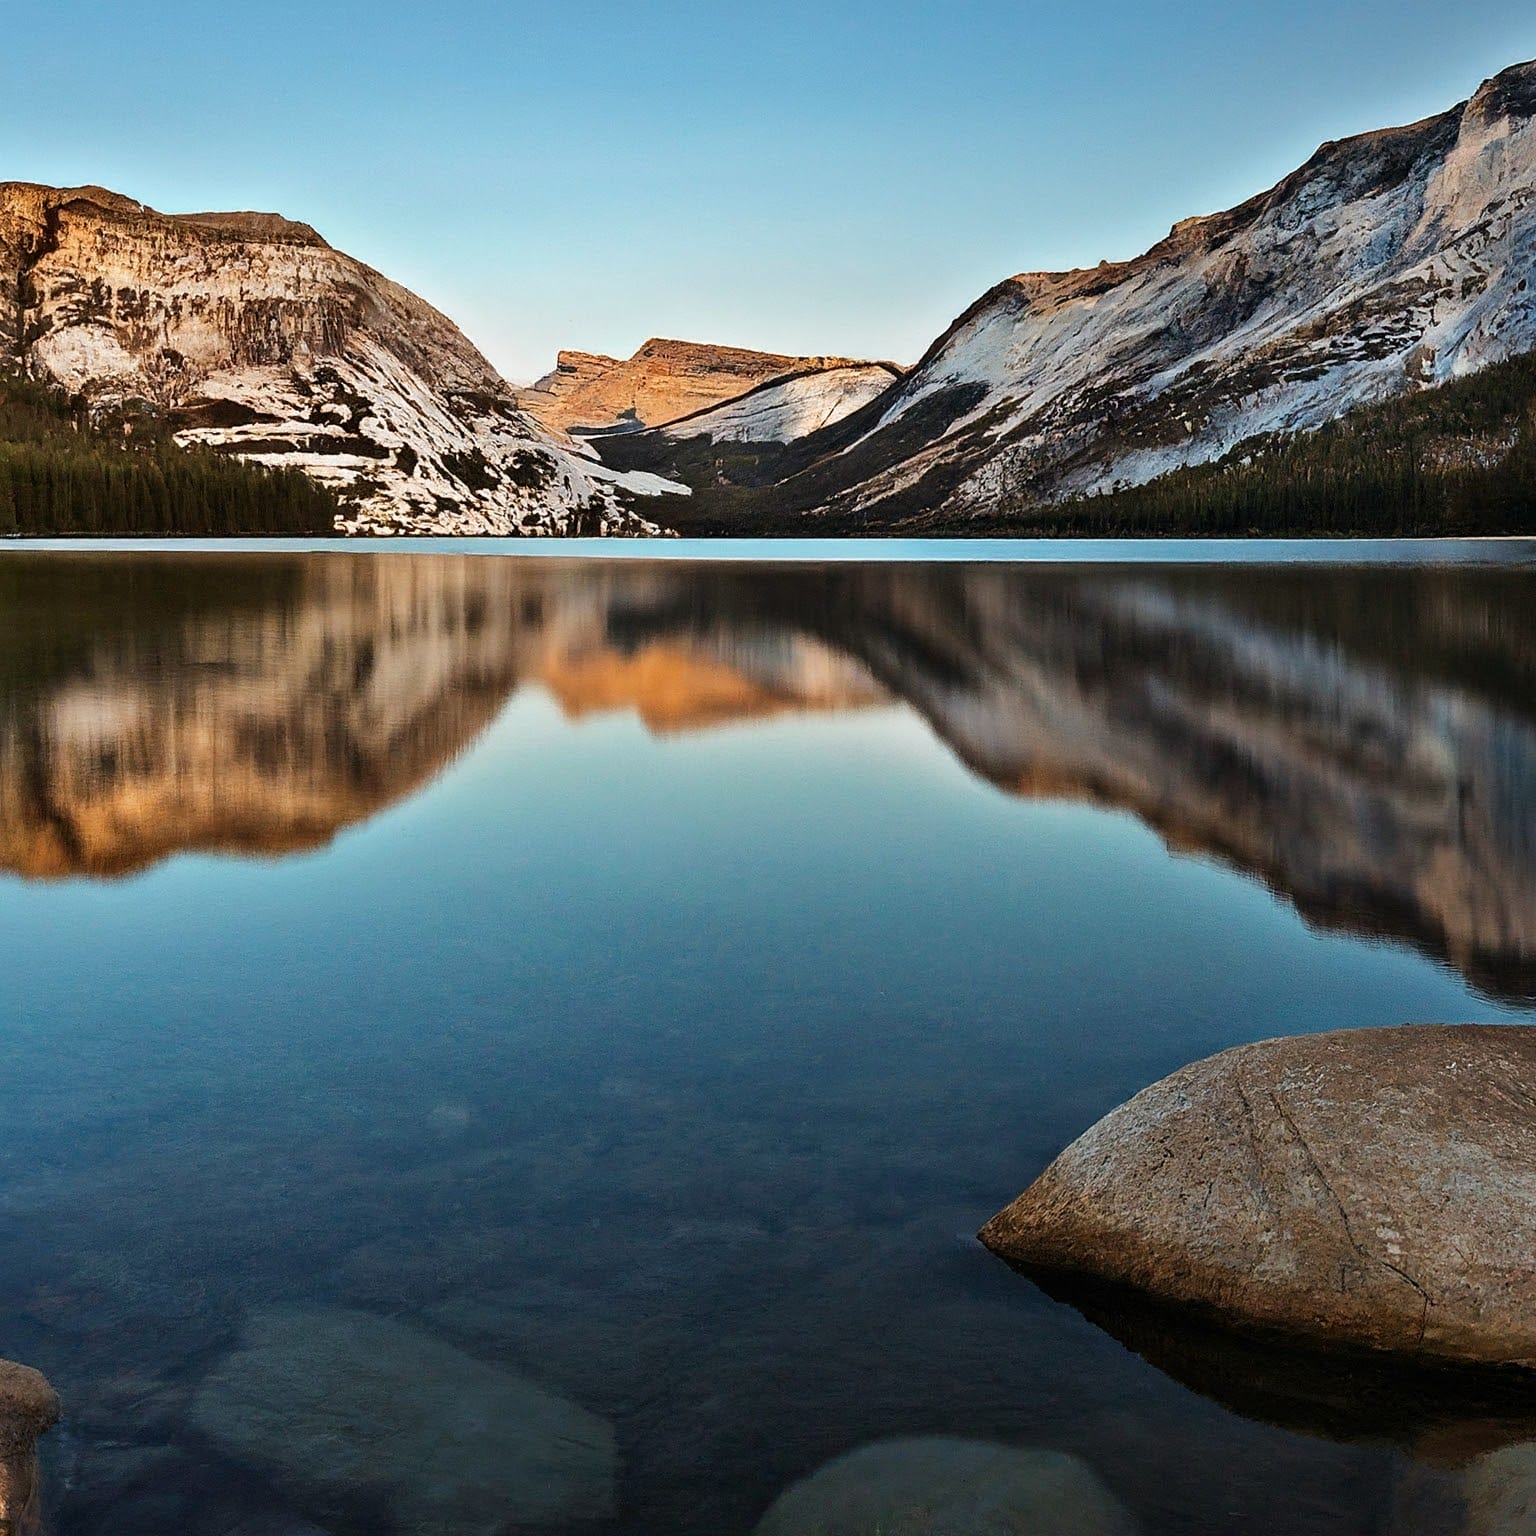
{"x": 799, "y": 177}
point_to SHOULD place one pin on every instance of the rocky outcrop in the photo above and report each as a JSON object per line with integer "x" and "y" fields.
{"x": 1386, "y": 263}
{"x": 945, "y": 1487}
{"x": 29, "y": 1408}
{"x": 1373, "y": 1189}
{"x": 663, "y": 381}
{"x": 256, "y": 338}
{"x": 348, "y": 1409}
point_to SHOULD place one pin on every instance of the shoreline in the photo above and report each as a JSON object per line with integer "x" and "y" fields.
{"x": 1502, "y": 550}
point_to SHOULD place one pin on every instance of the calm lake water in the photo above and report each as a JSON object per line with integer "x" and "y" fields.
{"x": 601, "y": 998}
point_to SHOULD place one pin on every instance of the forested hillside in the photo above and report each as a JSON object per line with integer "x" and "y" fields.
{"x": 1457, "y": 459}
{"x": 1460, "y": 459}
{"x": 63, "y": 472}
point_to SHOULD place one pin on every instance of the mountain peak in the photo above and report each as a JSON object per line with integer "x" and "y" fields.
{"x": 249, "y": 334}
{"x": 1510, "y": 93}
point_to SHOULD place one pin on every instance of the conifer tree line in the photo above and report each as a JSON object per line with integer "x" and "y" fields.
{"x": 62, "y": 473}
{"x": 1459, "y": 459}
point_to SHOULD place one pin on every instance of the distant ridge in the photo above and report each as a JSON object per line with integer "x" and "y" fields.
{"x": 663, "y": 381}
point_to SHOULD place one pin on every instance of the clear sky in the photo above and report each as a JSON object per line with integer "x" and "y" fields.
{"x": 801, "y": 177}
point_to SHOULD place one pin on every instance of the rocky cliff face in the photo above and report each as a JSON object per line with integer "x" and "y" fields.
{"x": 257, "y": 338}
{"x": 663, "y": 381}
{"x": 1387, "y": 263}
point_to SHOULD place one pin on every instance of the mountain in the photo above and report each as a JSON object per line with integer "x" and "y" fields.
{"x": 1390, "y": 263}
{"x": 1395, "y": 265}
{"x": 663, "y": 381}
{"x": 249, "y": 334}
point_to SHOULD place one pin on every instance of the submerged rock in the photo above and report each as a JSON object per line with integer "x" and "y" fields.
{"x": 945, "y": 1487}
{"x": 1372, "y": 1188}
{"x": 353, "y": 1409}
{"x": 1500, "y": 1492}
{"x": 29, "y": 1407}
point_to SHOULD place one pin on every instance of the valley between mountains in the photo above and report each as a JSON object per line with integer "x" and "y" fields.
{"x": 1350, "y": 351}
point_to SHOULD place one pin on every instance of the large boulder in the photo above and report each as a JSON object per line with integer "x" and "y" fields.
{"x": 948, "y": 1487}
{"x": 1500, "y": 1493}
{"x": 350, "y": 1409}
{"x": 29, "y": 1407}
{"x": 1372, "y": 1188}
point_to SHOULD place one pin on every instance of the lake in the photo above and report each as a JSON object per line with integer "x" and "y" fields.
{"x": 592, "y": 1002}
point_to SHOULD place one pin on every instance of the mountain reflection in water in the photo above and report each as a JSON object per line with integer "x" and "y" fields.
{"x": 1364, "y": 741}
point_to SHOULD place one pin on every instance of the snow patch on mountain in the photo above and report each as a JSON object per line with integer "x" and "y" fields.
{"x": 254, "y": 337}
{"x": 1390, "y": 262}
{"x": 790, "y": 408}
